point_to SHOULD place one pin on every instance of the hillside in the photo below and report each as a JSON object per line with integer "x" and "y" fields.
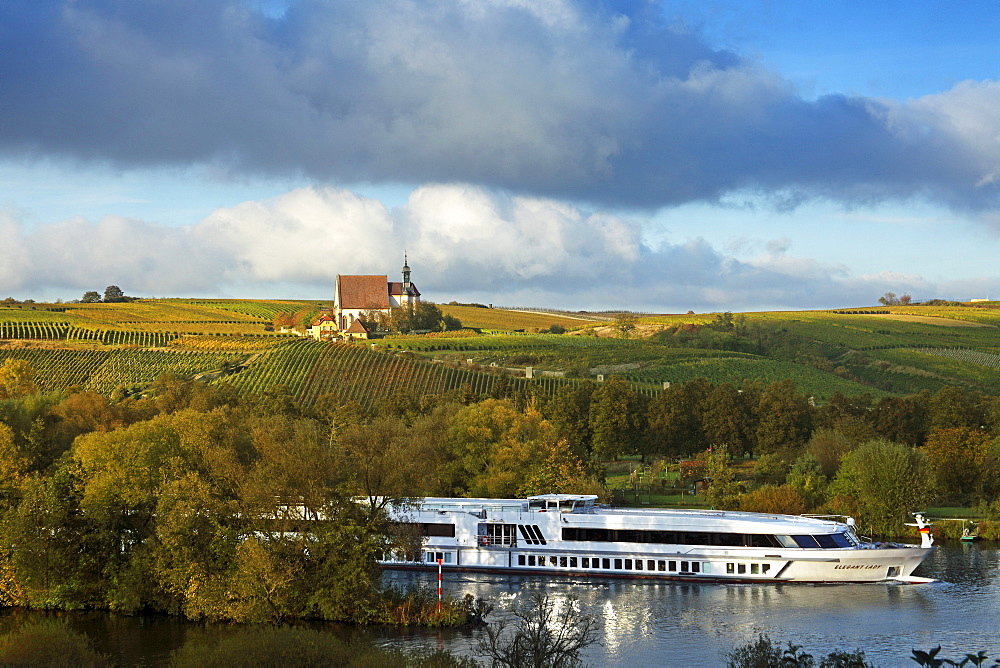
{"x": 880, "y": 351}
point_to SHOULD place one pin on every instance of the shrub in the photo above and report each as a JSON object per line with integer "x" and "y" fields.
{"x": 48, "y": 643}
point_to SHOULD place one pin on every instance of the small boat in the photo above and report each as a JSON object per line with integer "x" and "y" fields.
{"x": 571, "y": 534}
{"x": 970, "y": 532}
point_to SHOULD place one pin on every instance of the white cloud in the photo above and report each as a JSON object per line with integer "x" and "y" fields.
{"x": 464, "y": 243}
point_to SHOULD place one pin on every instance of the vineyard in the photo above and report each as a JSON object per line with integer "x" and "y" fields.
{"x": 896, "y": 350}
{"x": 254, "y": 308}
{"x": 310, "y": 370}
{"x": 105, "y": 370}
{"x": 500, "y": 319}
{"x": 61, "y": 331}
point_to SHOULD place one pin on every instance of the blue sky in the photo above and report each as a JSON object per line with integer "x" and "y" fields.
{"x": 659, "y": 156}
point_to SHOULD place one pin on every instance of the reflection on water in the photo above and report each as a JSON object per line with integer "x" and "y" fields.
{"x": 647, "y": 623}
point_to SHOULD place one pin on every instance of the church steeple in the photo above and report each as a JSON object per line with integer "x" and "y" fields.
{"x": 406, "y": 275}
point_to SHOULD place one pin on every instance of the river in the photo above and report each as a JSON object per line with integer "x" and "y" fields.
{"x": 644, "y": 623}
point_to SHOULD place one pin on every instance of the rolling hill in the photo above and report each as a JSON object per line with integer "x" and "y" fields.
{"x": 880, "y": 351}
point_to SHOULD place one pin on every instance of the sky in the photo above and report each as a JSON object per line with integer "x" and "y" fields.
{"x": 653, "y": 156}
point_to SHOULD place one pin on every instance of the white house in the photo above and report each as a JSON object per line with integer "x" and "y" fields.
{"x": 356, "y": 295}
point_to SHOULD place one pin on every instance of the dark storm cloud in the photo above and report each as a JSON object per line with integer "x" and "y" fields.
{"x": 592, "y": 101}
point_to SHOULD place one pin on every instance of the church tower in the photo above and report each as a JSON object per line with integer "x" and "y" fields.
{"x": 406, "y": 275}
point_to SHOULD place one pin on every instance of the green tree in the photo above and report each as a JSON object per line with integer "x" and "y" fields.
{"x": 903, "y": 419}
{"x": 569, "y": 411}
{"x": 963, "y": 461}
{"x": 726, "y": 418}
{"x": 675, "y": 419}
{"x": 785, "y": 419}
{"x": 955, "y": 406}
{"x": 113, "y": 294}
{"x": 91, "y": 297}
{"x": 881, "y": 482}
{"x": 617, "y": 420}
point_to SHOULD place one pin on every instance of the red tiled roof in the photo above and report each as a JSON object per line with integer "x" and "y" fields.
{"x": 364, "y": 292}
{"x": 397, "y": 289}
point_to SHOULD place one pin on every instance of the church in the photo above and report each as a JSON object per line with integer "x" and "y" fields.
{"x": 356, "y": 295}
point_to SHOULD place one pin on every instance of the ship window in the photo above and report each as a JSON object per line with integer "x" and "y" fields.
{"x": 520, "y": 560}
{"x": 628, "y": 564}
{"x": 618, "y": 564}
{"x": 805, "y": 541}
{"x": 673, "y": 566}
{"x": 585, "y": 562}
{"x": 706, "y": 567}
{"x": 572, "y": 562}
{"x": 447, "y": 557}
{"x": 562, "y": 561}
{"x": 661, "y": 565}
{"x": 762, "y": 540}
{"x": 650, "y": 565}
{"x": 695, "y": 566}
{"x": 536, "y": 504}
{"x": 728, "y": 539}
{"x": 606, "y": 563}
{"x": 764, "y": 568}
{"x": 531, "y": 560}
{"x": 841, "y": 540}
{"x": 826, "y": 541}
{"x": 754, "y": 569}
{"x": 638, "y": 564}
{"x": 730, "y": 568}
{"x": 741, "y": 569}
{"x": 684, "y": 567}
{"x": 786, "y": 541}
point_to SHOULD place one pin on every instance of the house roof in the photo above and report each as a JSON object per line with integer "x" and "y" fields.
{"x": 397, "y": 289}
{"x": 356, "y": 328}
{"x": 364, "y": 292}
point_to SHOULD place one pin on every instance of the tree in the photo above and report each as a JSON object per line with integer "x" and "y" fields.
{"x": 113, "y": 294}
{"x": 881, "y": 482}
{"x": 962, "y": 462}
{"x": 783, "y": 499}
{"x": 675, "y": 419}
{"x": 543, "y": 633}
{"x": 889, "y": 299}
{"x": 17, "y": 379}
{"x": 617, "y": 420}
{"x": 785, "y": 418}
{"x": 91, "y": 297}
{"x": 569, "y": 411}
{"x": 422, "y": 316}
{"x": 726, "y": 418}
{"x": 625, "y": 324}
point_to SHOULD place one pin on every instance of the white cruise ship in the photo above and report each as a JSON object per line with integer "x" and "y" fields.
{"x": 570, "y": 534}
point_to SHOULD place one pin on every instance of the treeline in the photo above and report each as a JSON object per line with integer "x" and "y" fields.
{"x": 189, "y": 501}
{"x": 875, "y": 460}
{"x": 192, "y": 500}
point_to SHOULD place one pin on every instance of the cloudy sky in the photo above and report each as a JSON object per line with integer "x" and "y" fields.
{"x": 659, "y": 156}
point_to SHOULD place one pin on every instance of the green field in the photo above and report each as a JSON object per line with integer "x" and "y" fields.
{"x": 875, "y": 350}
